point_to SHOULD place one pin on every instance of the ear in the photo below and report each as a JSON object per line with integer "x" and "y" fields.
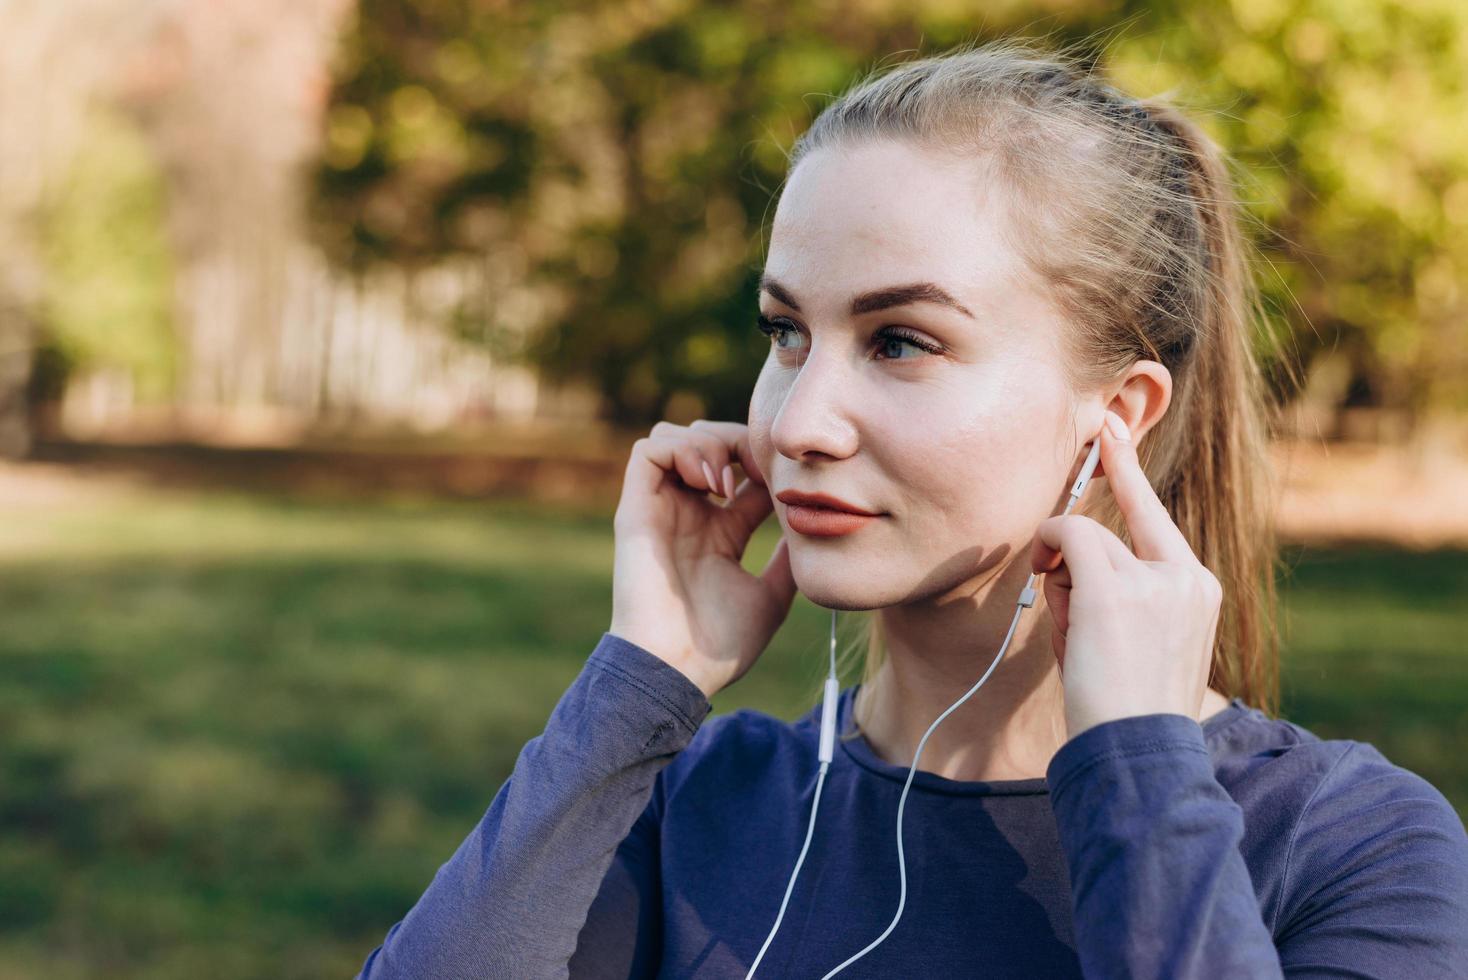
{"x": 1142, "y": 397}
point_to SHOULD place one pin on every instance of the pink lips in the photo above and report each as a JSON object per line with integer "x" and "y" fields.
{"x": 823, "y": 516}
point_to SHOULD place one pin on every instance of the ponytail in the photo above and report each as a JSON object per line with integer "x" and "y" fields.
{"x": 1218, "y": 482}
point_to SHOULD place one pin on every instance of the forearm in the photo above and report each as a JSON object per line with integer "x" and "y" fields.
{"x": 1159, "y": 888}
{"x": 514, "y": 896}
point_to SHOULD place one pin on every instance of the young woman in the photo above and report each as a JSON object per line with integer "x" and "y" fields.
{"x": 979, "y": 263}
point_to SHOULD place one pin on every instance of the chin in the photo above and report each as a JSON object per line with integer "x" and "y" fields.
{"x": 836, "y": 584}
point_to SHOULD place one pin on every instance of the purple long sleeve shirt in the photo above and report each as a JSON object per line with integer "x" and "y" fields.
{"x": 639, "y": 838}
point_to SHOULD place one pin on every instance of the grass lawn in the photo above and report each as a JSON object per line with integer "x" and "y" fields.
{"x": 239, "y": 734}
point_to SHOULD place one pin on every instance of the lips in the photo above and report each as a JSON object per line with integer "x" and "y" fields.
{"x": 823, "y": 516}
{"x": 822, "y": 501}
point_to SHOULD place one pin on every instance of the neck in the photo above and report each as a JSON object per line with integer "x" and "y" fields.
{"x": 938, "y": 649}
{"x": 935, "y": 651}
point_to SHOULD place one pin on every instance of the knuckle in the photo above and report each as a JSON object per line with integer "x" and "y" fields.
{"x": 1073, "y": 524}
{"x": 1195, "y": 586}
{"x": 1212, "y": 587}
{"x": 664, "y": 428}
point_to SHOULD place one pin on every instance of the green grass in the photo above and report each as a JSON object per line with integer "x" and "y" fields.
{"x": 239, "y": 734}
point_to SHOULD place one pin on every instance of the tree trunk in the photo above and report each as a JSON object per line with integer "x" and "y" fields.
{"x": 17, "y": 340}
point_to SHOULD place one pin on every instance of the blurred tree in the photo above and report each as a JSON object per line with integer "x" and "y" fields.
{"x": 1349, "y": 118}
{"x": 107, "y": 299}
{"x": 53, "y": 63}
{"x": 622, "y": 161}
{"x": 624, "y": 158}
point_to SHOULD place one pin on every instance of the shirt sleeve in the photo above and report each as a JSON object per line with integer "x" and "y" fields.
{"x": 512, "y": 900}
{"x": 623, "y": 935}
{"x": 1378, "y": 860}
{"x": 1151, "y": 840}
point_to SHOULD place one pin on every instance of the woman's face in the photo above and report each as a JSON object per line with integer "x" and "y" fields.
{"x": 963, "y": 452}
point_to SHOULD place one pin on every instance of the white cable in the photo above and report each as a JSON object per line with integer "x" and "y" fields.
{"x": 828, "y": 728}
{"x": 902, "y": 803}
{"x": 820, "y": 780}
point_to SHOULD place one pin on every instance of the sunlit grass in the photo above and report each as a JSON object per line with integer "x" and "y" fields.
{"x": 239, "y": 734}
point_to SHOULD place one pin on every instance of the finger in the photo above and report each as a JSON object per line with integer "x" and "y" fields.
{"x": 1075, "y": 540}
{"x": 1056, "y": 588}
{"x": 1044, "y": 558}
{"x": 777, "y": 574}
{"x": 1155, "y": 537}
{"x": 733, "y": 440}
{"x": 1116, "y": 549}
{"x": 670, "y": 448}
{"x": 678, "y": 449}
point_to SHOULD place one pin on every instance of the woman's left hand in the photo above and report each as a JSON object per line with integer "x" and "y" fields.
{"x": 1133, "y": 632}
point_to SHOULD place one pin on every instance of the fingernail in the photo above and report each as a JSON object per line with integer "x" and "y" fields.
{"x": 1117, "y": 426}
{"x": 729, "y": 480}
{"x": 708, "y": 474}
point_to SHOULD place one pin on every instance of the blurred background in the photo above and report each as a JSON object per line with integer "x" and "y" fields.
{"x": 326, "y": 328}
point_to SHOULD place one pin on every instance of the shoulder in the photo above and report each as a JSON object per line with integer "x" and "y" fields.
{"x": 1255, "y": 754}
{"x": 1365, "y": 813}
{"x": 1340, "y": 820}
{"x": 1274, "y": 760}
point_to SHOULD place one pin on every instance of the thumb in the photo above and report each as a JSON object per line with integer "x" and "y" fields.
{"x": 777, "y": 575}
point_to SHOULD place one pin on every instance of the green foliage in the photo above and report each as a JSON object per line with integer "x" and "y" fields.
{"x": 1348, "y": 117}
{"x": 630, "y": 157}
{"x": 107, "y": 299}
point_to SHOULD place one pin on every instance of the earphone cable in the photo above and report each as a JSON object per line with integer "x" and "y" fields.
{"x": 902, "y": 802}
{"x": 827, "y": 710}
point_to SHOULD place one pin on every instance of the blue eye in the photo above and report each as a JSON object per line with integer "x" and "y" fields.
{"x": 774, "y": 329}
{"x": 892, "y": 335}
{"x": 777, "y": 327}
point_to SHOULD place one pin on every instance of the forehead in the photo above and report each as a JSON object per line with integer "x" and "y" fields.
{"x": 854, "y": 218}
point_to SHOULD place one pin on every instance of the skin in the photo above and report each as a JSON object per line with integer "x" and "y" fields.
{"x": 967, "y": 453}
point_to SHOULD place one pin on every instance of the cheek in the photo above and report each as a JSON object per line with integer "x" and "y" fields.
{"x": 1007, "y": 480}
{"x": 946, "y": 440}
{"x": 957, "y": 480}
{"x": 986, "y": 477}
{"x": 763, "y": 407}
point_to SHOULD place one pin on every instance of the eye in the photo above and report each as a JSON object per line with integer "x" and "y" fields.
{"x": 776, "y": 328}
{"x": 897, "y": 335}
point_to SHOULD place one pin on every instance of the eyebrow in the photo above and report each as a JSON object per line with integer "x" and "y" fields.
{"x": 877, "y": 299}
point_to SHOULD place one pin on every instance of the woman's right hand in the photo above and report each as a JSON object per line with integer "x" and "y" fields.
{"x": 678, "y": 588}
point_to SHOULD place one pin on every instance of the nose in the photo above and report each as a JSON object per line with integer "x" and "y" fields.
{"x": 814, "y": 418}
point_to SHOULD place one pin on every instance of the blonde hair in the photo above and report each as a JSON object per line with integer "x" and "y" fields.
{"x": 1126, "y": 210}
